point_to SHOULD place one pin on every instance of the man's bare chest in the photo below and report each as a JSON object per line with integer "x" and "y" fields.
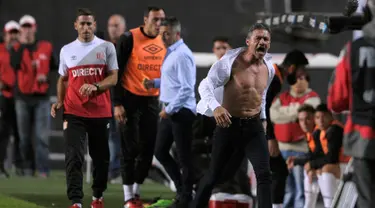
{"x": 250, "y": 77}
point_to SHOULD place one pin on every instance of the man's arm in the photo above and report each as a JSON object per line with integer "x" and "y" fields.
{"x": 273, "y": 90}
{"x": 338, "y": 89}
{"x": 63, "y": 71}
{"x": 112, "y": 65}
{"x": 217, "y": 76}
{"x": 186, "y": 71}
{"x": 124, "y": 49}
{"x": 283, "y": 114}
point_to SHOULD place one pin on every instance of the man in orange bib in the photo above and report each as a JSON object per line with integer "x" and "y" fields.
{"x": 140, "y": 53}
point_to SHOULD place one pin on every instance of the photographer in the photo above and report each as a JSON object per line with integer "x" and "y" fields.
{"x": 352, "y": 88}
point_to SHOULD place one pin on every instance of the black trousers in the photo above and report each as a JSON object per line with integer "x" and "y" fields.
{"x": 8, "y": 126}
{"x": 279, "y": 175}
{"x": 364, "y": 178}
{"x": 75, "y": 131}
{"x": 177, "y": 128}
{"x": 244, "y": 137}
{"x": 138, "y": 137}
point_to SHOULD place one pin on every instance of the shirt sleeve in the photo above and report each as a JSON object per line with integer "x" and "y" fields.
{"x": 339, "y": 85}
{"x": 157, "y": 83}
{"x": 217, "y": 76}
{"x": 63, "y": 68}
{"x": 263, "y": 114}
{"x": 272, "y": 92}
{"x": 124, "y": 49}
{"x": 111, "y": 57}
{"x": 186, "y": 73}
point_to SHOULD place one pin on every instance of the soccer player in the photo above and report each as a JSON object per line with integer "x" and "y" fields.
{"x": 89, "y": 65}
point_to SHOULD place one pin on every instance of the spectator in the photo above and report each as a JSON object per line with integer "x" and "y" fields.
{"x": 220, "y": 46}
{"x": 33, "y": 61}
{"x": 283, "y": 114}
{"x": 116, "y": 27}
{"x": 8, "y": 122}
{"x": 140, "y": 55}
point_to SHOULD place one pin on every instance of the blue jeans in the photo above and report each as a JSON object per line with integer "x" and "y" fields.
{"x": 294, "y": 190}
{"x": 114, "y": 149}
{"x": 35, "y": 113}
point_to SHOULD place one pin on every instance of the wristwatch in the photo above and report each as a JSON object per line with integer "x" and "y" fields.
{"x": 97, "y": 86}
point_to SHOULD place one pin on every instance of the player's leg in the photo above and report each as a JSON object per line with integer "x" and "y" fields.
{"x": 311, "y": 191}
{"x": 364, "y": 178}
{"x": 328, "y": 181}
{"x": 256, "y": 150}
{"x": 98, "y": 133}
{"x": 222, "y": 153}
{"x": 279, "y": 176}
{"x": 148, "y": 124}
{"x": 74, "y": 136}
{"x": 129, "y": 144}
{"x": 164, "y": 141}
{"x": 24, "y": 121}
{"x": 42, "y": 125}
{"x": 5, "y": 127}
{"x": 182, "y": 127}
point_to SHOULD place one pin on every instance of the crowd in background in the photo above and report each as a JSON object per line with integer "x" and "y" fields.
{"x": 296, "y": 114}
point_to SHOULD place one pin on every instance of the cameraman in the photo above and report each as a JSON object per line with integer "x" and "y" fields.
{"x": 352, "y": 88}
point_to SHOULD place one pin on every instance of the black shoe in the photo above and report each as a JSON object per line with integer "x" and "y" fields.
{"x": 182, "y": 202}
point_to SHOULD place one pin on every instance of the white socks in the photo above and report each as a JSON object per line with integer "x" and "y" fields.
{"x": 311, "y": 192}
{"x": 328, "y": 184}
{"x": 128, "y": 192}
{"x": 100, "y": 199}
{"x": 277, "y": 205}
{"x": 136, "y": 187}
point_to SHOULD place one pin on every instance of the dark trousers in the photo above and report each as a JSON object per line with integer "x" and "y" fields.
{"x": 244, "y": 137}
{"x": 75, "y": 130}
{"x": 279, "y": 176}
{"x": 364, "y": 178}
{"x": 177, "y": 128}
{"x": 138, "y": 137}
{"x": 8, "y": 125}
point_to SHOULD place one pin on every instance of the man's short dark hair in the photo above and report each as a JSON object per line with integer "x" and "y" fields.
{"x": 295, "y": 57}
{"x": 151, "y": 9}
{"x": 172, "y": 22}
{"x": 322, "y": 108}
{"x": 85, "y": 12}
{"x": 259, "y": 26}
{"x": 221, "y": 39}
{"x": 306, "y": 108}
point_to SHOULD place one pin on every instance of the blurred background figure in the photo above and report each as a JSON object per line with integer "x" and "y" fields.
{"x": 220, "y": 46}
{"x": 116, "y": 27}
{"x": 8, "y": 123}
{"x": 32, "y": 61}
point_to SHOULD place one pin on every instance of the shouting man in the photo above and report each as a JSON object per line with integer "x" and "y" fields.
{"x": 245, "y": 74}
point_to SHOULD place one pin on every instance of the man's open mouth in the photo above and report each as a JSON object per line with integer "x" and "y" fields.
{"x": 261, "y": 49}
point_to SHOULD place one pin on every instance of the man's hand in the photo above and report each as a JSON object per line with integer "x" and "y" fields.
{"x": 55, "y": 107}
{"x": 87, "y": 89}
{"x": 311, "y": 174}
{"x": 120, "y": 114}
{"x": 273, "y": 147}
{"x": 148, "y": 84}
{"x": 41, "y": 78}
{"x": 163, "y": 114}
{"x": 222, "y": 117}
{"x": 290, "y": 162}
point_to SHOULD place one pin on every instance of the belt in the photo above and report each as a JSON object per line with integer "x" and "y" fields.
{"x": 256, "y": 116}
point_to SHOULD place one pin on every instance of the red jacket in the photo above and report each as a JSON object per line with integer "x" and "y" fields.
{"x": 352, "y": 89}
{"x": 40, "y": 54}
{"x": 7, "y": 75}
{"x": 283, "y": 113}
